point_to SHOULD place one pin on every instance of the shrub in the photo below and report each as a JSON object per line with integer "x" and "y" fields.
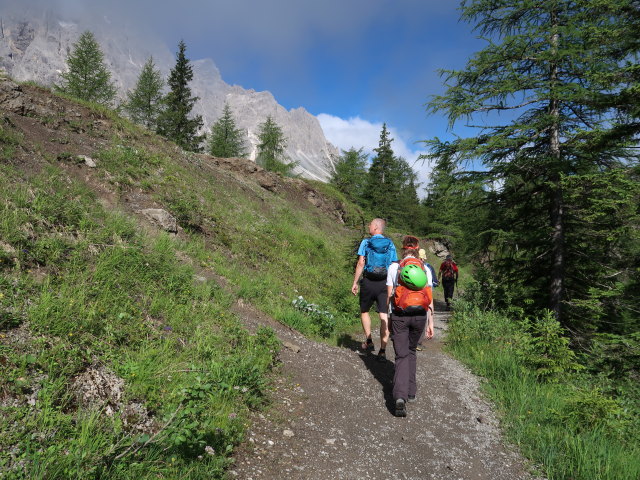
{"x": 547, "y": 350}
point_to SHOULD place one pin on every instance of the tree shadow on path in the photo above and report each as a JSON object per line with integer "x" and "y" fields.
{"x": 382, "y": 370}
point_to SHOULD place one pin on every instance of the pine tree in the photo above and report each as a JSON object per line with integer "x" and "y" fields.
{"x": 543, "y": 71}
{"x": 390, "y": 187}
{"x": 225, "y": 140}
{"x": 88, "y": 77}
{"x": 350, "y": 174}
{"x": 455, "y": 208}
{"x": 271, "y": 149}
{"x": 144, "y": 102}
{"x": 174, "y": 122}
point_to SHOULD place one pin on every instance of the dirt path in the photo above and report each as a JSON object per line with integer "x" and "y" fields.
{"x": 333, "y": 419}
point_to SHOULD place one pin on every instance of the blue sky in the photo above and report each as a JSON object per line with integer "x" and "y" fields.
{"x": 353, "y": 63}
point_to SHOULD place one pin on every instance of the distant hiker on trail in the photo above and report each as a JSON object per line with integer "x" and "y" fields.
{"x": 449, "y": 272}
{"x": 375, "y": 254}
{"x": 422, "y": 255}
{"x": 410, "y": 297}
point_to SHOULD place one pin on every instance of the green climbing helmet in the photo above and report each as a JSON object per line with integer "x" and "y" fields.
{"x": 413, "y": 277}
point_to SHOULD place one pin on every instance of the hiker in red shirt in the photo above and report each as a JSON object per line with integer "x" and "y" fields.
{"x": 449, "y": 273}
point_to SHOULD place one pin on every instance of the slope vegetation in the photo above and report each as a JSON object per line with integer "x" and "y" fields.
{"x": 121, "y": 258}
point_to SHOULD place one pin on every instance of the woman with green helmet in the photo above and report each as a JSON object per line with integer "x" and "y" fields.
{"x": 409, "y": 302}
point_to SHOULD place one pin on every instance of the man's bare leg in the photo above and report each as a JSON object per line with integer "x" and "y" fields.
{"x": 366, "y": 326}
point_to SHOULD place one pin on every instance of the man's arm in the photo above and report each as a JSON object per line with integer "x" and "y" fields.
{"x": 356, "y": 276}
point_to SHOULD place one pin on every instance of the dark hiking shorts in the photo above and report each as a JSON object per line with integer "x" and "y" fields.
{"x": 373, "y": 291}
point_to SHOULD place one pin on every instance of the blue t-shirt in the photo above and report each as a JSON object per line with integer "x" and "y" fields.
{"x": 362, "y": 250}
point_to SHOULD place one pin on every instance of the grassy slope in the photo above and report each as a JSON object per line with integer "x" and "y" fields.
{"x": 84, "y": 288}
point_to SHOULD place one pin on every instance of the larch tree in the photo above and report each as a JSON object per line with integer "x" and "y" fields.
{"x": 175, "y": 121}
{"x": 271, "y": 149}
{"x": 538, "y": 86}
{"x": 144, "y": 102}
{"x": 350, "y": 173}
{"x": 87, "y": 77}
{"x": 225, "y": 139}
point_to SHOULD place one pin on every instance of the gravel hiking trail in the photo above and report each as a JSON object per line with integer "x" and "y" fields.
{"x": 332, "y": 417}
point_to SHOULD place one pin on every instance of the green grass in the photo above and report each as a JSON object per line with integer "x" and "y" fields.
{"x": 560, "y": 418}
{"x": 86, "y": 289}
{"x": 10, "y": 139}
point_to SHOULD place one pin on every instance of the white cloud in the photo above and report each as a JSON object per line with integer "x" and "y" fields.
{"x": 359, "y": 133}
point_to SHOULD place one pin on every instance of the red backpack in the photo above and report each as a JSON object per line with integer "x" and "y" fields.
{"x": 407, "y": 301}
{"x": 447, "y": 270}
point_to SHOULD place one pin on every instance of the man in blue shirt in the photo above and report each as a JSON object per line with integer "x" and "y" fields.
{"x": 374, "y": 257}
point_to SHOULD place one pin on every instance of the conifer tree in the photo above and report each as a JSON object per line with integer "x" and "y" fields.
{"x": 174, "y": 121}
{"x": 271, "y": 149}
{"x": 390, "y": 187}
{"x": 456, "y": 208}
{"x": 543, "y": 71}
{"x": 225, "y": 140}
{"x": 88, "y": 77}
{"x": 144, "y": 101}
{"x": 350, "y": 173}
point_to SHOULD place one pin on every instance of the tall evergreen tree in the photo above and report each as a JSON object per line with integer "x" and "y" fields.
{"x": 225, "y": 140}
{"x": 391, "y": 186}
{"x": 271, "y": 149}
{"x": 350, "y": 173}
{"x": 456, "y": 208}
{"x": 544, "y": 72}
{"x": 174, "y": 122}
{"x": 144, "y": 101}
{"x": 88, "y": 77}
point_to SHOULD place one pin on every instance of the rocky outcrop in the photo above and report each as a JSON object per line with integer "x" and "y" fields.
{"x": 162, "y": 218}
{"x": 34, "y": 46}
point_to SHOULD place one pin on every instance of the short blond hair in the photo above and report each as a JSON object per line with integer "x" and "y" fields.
{"x": 380, "y": 223}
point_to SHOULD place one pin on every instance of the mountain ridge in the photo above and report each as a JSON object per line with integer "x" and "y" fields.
{"x": 35, "y": 49}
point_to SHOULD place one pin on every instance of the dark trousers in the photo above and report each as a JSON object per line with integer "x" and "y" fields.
{"x": 405, "y": 333}
{"x": 448, "y": 286}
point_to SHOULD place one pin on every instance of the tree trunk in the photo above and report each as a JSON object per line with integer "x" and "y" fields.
{"x": 557, "y": 250}
{"x": 557, "y": 201}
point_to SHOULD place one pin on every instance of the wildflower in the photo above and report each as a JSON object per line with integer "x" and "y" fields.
{"x": 232, "y": 416}
{"x": 209, "y": 450}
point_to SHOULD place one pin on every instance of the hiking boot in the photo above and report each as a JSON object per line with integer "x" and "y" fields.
{"x": 367, "y": 346}
{"x": 401, "y": 410}
{"x": 381, "y": 355}
{"x": 411, "y": 399}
